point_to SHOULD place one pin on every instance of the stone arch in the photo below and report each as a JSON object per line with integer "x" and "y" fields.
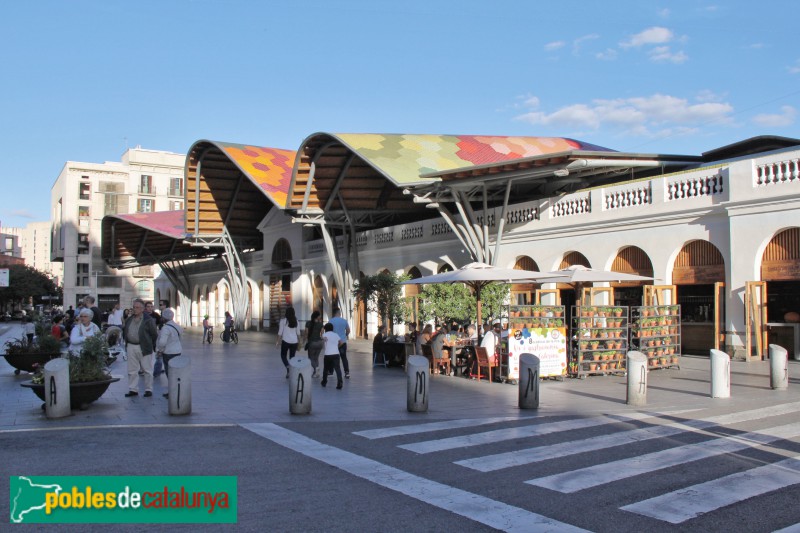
{"x": 698, "y": 262}
{"x": 524, "y": 293}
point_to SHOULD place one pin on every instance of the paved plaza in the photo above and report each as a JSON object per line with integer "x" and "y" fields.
{"x": 361, "y": 461}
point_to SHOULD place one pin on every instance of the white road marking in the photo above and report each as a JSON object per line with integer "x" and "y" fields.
{"x": 413, "y": 429}
{"x": 473, "y": 506}
{"x": 490, "y": 463}
{"x": 681, "y": 505}
{"x": 498, "y": 435}
{"x": 593, "y": 476}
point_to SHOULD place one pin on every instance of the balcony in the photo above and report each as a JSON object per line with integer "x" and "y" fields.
{"x": 175, "y": 192}
{"x": 147, "y": 190}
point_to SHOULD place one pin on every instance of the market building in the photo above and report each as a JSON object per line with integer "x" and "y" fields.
{"x": 265, "y": 228}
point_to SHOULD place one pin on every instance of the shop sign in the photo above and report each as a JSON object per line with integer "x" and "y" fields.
{"x": 698, "y": 275}
{"x": 780, "y": 271}
{"x": 548, "y": 344}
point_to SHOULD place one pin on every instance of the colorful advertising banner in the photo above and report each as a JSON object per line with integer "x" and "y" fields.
{"x": 123, "y": 499}
{"x": 548, "y": 344}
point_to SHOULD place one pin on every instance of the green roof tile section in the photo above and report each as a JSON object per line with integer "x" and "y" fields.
{"x": 404, "y": 157}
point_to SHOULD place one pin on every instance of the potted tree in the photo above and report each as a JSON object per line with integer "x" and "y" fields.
{"x": 25, "y": 356}
{"x": 88, "y": 374}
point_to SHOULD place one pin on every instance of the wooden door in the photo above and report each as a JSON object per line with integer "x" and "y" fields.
{"x": 660, "y": 295}
{"x": 755, "y": 311}
{"x": 719, "y": 316}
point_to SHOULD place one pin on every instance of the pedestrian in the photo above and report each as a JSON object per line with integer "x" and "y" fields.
{"x": 228, "y": 325}
{"x": 115, "y": 316}
{"x": 314, "y": 341}
{"x": 206, "y": 328}
{"x": 58, "y": 331}
{"x": 342, "y": 328}
{"x": 88, "y": 302}
{"x": 333, "y": 344}
{"x": 158, "y": 368}
{"x": 288, "y": 337}
{"x": 168, "y": 344}
{"x": 30, "y": 329}
{"x": 140, "y": 336}
{"x": 82, "y": 330}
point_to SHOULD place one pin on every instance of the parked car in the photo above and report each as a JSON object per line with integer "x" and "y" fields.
{"x": 18, "y": 314}
{"x": 5, "y": 317}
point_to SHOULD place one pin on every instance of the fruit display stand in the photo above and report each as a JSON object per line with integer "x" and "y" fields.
{"x": 656, "y": 332}
{"x": 599, "y": 340}
{"x": 540, "y": 330}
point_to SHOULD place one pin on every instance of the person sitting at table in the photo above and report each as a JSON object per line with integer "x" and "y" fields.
{"x": 427, "y": 335}
{"x": 441, "y": 344}
{"x": 472, "y": 333}
{"x": 378, "y": 341}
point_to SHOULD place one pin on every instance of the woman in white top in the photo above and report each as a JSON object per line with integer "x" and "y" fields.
{"x": 82, "y": 330}
{"x": 331, "y": 361}
{"x": 288, "y": 337}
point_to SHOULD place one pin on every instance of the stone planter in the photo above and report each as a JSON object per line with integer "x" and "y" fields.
{"x": 25, "y": 362}
{"x": 81, "y": 394}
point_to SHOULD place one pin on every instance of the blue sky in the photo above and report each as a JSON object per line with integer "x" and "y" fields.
{"x": 84, "y": 79}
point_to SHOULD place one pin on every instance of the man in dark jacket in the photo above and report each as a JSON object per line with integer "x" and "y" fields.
{"x": 88, "y": 301}
{"x": 140, "y": 336}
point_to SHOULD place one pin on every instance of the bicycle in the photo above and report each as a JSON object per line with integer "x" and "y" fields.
{"x": 233, "y": 335}
{"x": 209, "y": 334}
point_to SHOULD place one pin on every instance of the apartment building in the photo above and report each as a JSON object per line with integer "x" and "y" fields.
{"x": 143, "y": 181}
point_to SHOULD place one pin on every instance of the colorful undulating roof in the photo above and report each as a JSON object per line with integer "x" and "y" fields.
{"x": 270, "y": 168}
{"x": 403, "y": 158}
{"x": 167, "y": 223}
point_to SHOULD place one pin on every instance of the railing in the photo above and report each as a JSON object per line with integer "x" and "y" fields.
{"x": 572, "y": 206}
{"x": 631, "y": 196}
{"x": 147, "y": 190}
{"x": 776, "y": 173}
{"x": 693, "y": 186}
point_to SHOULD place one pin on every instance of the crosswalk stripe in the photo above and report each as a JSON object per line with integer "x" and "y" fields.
{"x": 794, "y": 528}
{"x": 490, "y": 463}
{"x": 473, "y": 506}
{"x": 681, "y": 505}
{"x": 398, "y": 431}
{"x": 593, "y": 476}
{"x": 498, "y": 435}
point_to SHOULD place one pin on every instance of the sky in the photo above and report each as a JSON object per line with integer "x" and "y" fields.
{"x": 83, "y": 80}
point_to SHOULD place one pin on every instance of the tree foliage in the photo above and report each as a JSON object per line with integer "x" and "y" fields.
{"x": 25, "y": 282}
{"x": 382, "y": 294}
{"x": 446, "y": 302}
{"x": 494, "y": 299}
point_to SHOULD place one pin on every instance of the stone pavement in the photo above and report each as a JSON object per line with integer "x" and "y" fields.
{"x": 234, "y": 384}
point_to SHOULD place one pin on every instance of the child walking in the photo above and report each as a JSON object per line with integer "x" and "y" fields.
{"x": 331, "y": 361}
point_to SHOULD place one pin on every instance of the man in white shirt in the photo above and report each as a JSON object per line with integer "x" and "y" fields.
{"x": 491, "y": 338}
{"x": 115, "y": 316}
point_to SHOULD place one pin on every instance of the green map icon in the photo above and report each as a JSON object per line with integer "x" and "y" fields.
{"x": 28, "y": 499}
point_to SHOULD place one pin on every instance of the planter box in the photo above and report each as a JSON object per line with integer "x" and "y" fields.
{"x": 80, "y": 394}
{"x": 24, "y": 362}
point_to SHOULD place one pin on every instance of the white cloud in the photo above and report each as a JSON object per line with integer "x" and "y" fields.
{"x": 708, "y": 96}
{"x": 23, "y": 213}
{"x": 664, "y": 13}
{"x": 777, "y": 120}
{"x": 663, "y": 53}
{"x": 555, "y": 45}
{"x": 608, "y": 54}
{"x": 577, "y": 43}
{"x": 794, "y": 69}
{"x": 654, "y": 35}
{"x": 653, "y": 116}
{"x": 532, "y": 102}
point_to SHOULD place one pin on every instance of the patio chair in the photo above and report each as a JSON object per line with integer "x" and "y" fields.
{"x": 484, "y": 361}
{"x": 427, "y": 351}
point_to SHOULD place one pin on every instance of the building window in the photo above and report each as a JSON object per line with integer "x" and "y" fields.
{"x": 175, "y": 205}
{"x": 83, "y": 243}
{"x": 82, "y": 279}
{"x": 86, "y": 191}
{"x": 176, "y": 187}
{"x": 146, "y": 185}
{"x": 84, "y": 177}
{"x": 83, "y": 216}
{"x": 145, "y": 205}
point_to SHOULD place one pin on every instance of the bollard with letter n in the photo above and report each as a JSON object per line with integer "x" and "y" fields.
{"x": 418, "y": 374}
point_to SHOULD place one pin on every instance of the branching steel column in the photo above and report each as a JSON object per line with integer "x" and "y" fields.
{"x": 237, "y": 276}
{"x": 501, "y": 224}
{"x": 176, "y": 274}
{"x": 448, "y": 217}
{"x": 343, "y": 294}
{"x": 477, "y": 249}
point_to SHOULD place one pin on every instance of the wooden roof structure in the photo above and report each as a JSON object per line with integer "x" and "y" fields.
{"x": 233, "y": 186}
{"x": 146, "y": 238}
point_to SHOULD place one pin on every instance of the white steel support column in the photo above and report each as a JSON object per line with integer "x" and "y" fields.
{"x": 237, "y": 276}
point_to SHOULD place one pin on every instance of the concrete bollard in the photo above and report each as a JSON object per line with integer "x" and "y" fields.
{"x": 180, "y": 385}
{"x": 300, "y": 385}
{"x": 56, "y": 388}
{"x": 529, "y": 366}
{"x": 720, "y": 374}
{"x": 418, "y": 375}
{"x": 778, "y": 367}
{"x": 636, "y": 363}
